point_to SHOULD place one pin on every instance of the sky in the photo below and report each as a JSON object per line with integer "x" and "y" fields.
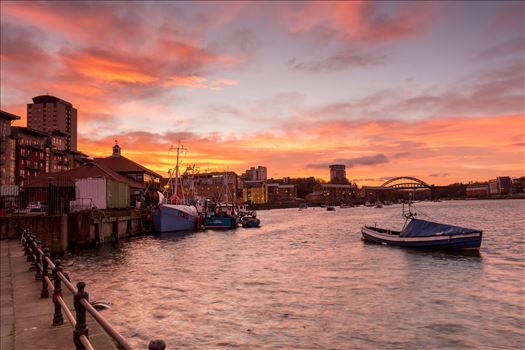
{"x": 433, "y": 90}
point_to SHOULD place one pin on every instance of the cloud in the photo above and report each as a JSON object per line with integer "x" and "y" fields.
{"x": 338, "y": 62}
{"x": 352, "y": 162}
{"x": 438, "y": 175}
{"x": 358, "y": 21}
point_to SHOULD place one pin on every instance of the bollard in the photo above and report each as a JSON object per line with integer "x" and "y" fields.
{"x": 81, "y": 328}
{"x": 157, "y": 345}
{"x": 58, "y": 319}
{"x": 38, "y": 261}
{"x": 28, "y": 244}
{"x": 45, "y": 273}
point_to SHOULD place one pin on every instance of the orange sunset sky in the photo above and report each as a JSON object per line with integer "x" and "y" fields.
{"x": 433, "y": 90}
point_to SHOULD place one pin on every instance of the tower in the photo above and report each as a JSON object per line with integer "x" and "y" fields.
{"x": 49, "y": 113}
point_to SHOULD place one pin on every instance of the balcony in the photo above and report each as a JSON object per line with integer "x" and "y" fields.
{"x": 33, "y": 167}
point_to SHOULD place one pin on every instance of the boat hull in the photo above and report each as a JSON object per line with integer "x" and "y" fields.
{"x": 220, "y": 223}
{"x": 465, "y": 241}
{"x": 168, "y": 218}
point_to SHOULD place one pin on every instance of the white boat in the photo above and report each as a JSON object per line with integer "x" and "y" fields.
{"x": 175, "y": 216}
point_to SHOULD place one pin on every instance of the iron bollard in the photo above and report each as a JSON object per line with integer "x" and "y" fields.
{"x": 45, "y": 273}
{"x": 32, "y": 246}
{"x": 58, "y": 319}
{"x": 28, "y": 246}
{"x": 38, "y": 261}
{"x": 157, "y": 345}
{"x": 81, "y": 327}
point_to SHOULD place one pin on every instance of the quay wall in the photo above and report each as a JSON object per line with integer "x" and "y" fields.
{"x": 67, "y": 231}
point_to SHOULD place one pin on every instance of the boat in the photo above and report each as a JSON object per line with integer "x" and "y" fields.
{"x": 249, "y": 221}
{"x": 303, "y": 206}
{"x": 378, "y": 205}
{"x": 346, "y": 205}
{"x": 330, "y": 208}
{"x": 418, "y": 233}
{"x": 173, "y": 213}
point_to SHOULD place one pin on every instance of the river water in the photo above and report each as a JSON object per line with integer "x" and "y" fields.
{"x": 305, "y": 280}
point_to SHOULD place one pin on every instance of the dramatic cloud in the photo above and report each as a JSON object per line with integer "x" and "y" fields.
{"x": 294, "y": 86}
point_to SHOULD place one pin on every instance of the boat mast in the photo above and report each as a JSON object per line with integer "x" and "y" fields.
{"x": 179, "y": 148}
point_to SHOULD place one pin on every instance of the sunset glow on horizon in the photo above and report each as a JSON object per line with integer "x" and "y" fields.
{"x": 433, "y": 90}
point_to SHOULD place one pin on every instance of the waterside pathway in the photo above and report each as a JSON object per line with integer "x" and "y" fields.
{"x": 26, "y": 318}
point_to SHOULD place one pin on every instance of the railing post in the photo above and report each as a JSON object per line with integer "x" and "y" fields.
{"x": 38, "y": 261}
{"x": 28, "y": 246}
{"x": 81, "y": 327}
{"x": 157, "y": 345}
{"x": 58, "y": 319}
{"x": 32, "y": 245}
{"x": 45, "y": 273}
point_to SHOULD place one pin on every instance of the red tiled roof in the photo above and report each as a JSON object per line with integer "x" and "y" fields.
{"x": 122, "y": 164}
{"x": 67, "y": 178}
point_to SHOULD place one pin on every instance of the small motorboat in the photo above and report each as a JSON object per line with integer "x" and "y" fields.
{"x": 330, "y": 208}
{"x": 250, "y": 221}
{"x": 418, "y": 233}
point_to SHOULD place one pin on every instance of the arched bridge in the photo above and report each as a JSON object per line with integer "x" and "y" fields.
{"x": 405, "y": 183}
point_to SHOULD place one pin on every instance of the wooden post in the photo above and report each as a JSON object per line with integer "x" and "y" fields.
{"x": 81, "y": 327}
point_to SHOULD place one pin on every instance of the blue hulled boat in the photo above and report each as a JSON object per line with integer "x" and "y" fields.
{"x": 419, "y": 233}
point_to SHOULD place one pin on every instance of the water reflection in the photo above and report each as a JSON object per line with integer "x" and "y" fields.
{"x": 306, "y": 280}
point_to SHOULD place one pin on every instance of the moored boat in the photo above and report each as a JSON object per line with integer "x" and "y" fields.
{"x": 174, "y": 214}
{"x": 418, "y": 233}
{"x": 249, "y": 221}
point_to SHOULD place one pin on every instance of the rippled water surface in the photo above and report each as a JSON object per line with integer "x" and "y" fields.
{"x": 305, "y": 280}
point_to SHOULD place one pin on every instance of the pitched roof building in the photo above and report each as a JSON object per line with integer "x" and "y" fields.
{"x": 130, "y": 169}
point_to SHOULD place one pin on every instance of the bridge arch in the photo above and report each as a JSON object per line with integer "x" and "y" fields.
{"x": 407, "y": 182}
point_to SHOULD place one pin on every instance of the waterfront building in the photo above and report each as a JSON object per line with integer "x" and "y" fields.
{"x": 504, "y": 184}
{"x": 130, "y": 169}
{"x": 281, "y": 193}
{"x": 333, "y": 193}
{"x": 255, "y": 192}
{"x": 493, "y": 187}
{"x": 221, "y": 186}
{"x": 478, "y": 190}
{"x": 7, "y": 150}
{"x": 49, "y": 113}
{"x": 337, "y": 173}
{"x": 58, "y": 188}
{"x": 255, "y": 174}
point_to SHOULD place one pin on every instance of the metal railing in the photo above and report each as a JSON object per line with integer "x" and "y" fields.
{"x": 40, "y": 260}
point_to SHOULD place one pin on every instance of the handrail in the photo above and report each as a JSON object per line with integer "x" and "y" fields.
{"x": 41, "y": 261}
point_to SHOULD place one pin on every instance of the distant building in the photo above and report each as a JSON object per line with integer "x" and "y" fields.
{"x": 337, "y": 172}
{"x": 504, "y": 184}
{"x": 493, "y": 187}
{"x": 478, "y": 190}
{"x": 221, "y": 186}
{"x": 255, "y": 174}
{"x": 255, "y": 192}
{"x": 281, "y": 194}
{"x": 49, "y": 113}
{"x": 332, "y": 193}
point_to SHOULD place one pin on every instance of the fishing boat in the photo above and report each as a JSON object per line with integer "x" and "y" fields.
{"x": 418, "y": 233}
{"x": 173, "y": 213}
{"x": 219, "y": 216}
